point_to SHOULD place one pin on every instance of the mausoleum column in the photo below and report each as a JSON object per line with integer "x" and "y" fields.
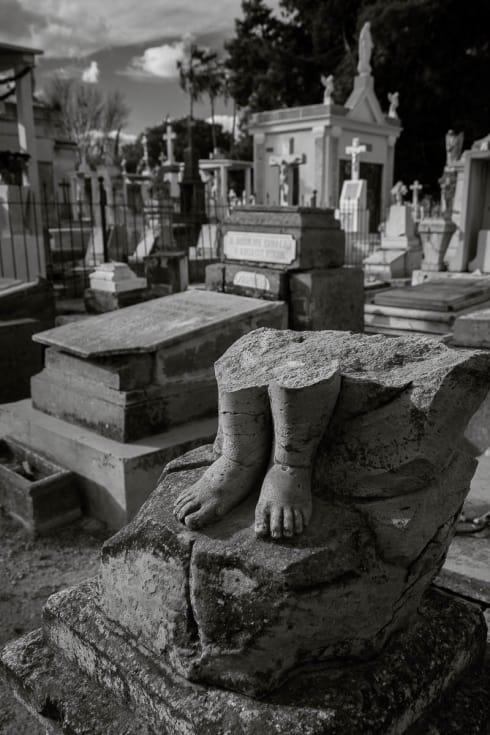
{"x": 320, "y": 163}
{"x": 259, "y": 167}
{"x": 248, "y": 183}
{"x": 331, "y": 196}
{"x": 388, "y": 172}
{"x": 25, "y": 125}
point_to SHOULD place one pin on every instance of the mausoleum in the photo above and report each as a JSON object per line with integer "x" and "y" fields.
{"x": 307, "y": 145}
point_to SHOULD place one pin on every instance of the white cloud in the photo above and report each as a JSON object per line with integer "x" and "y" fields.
{"x": 91, "y": 73}
{"x": 69, "y": 28}
{"x": 158, "y": 61}
{"x": 226, "y": 121}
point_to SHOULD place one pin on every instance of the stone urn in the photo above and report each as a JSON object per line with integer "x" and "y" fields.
{"x": 435, "y": 234}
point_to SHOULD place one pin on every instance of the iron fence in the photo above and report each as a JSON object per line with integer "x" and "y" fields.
{"x": 63, "y": 237}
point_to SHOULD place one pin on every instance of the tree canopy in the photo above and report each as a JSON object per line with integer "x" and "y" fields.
{"x": 435, "y": 53}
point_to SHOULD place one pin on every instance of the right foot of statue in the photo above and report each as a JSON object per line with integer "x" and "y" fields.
{"x": 224, "y": 484}
{"x": 284, "y": 506}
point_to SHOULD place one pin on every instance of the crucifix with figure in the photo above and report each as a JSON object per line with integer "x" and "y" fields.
{"x": 354, "y": 151}
{"x": 288, "y": 164}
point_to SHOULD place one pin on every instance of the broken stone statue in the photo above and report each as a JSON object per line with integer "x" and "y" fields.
{"x": 279, "y": 581}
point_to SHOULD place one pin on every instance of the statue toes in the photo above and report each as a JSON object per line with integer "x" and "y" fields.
{"x": 276, "y": 522}
{"x": 288, "y": 522}
{"x": 262, "y": 515}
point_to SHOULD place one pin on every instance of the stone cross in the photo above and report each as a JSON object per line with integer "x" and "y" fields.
{"x": 354, "y": 151}
{"x": 415, "y": 188}
{"x": 284, "y": 162}
{"x": 169, "y": 137}
{"x": 146, "y": 162}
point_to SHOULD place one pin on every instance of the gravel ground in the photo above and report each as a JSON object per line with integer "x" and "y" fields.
{"x": 31, "y": 569}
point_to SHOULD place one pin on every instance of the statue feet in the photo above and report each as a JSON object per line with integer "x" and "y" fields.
{"x": 245, "y": 431}
{"x": 284, "y": 506}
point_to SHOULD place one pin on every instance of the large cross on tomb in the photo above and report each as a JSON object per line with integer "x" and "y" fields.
{"x": 354, "y": 151}
{"x": 286, "y": 163}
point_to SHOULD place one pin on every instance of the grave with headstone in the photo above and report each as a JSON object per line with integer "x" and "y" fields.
{"x": 400, "y": 251}
{"x": 280, "y": 580}
{"x": 292, "y": 253}
{"x": 124, "y": 392}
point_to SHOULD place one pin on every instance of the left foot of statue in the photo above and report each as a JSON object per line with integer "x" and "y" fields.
{"x": 284, "y": 506}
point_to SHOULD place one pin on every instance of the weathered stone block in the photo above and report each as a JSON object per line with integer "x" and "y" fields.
{"x": 34, "y": 490}
{"x": 473, "y": 330}
{"x": 327, "y": 299}
{"x": 286, "y": 238}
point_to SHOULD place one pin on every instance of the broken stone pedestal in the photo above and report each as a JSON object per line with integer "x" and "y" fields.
{"x": 294, "y": 254}
{"x": 200, "y": 622}
{"x": 122, "y": 393}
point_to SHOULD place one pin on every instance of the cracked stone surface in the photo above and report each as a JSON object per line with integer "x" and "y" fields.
{"x": 225, "y": 608}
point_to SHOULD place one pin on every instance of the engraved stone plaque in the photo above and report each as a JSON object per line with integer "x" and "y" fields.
{"x": 260, "y": 247}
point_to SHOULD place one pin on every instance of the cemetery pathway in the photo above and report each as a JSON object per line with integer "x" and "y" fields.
{"x": 31, "y": 569}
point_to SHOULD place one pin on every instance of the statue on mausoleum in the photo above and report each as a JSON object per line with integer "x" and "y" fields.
{"x": 394, "y": 100}
{"x": 454, "y": 147}
{"x": 365, "y": 49}
{"x": 328, "y": 83}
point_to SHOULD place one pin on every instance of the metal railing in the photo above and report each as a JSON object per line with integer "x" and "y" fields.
{"x": 64, "y": 237}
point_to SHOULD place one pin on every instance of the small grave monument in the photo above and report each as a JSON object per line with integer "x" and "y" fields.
{"x": 353, "y": 212}
{"x": 112, "y": 286}
{"x": 125, "y": 391}
{"x": 279, "y": 581}
{"x": 292, "y": 253}
{"x": 400, "y": 251}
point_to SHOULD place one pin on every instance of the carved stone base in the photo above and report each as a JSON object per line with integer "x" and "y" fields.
{"x": 91, "y": 679}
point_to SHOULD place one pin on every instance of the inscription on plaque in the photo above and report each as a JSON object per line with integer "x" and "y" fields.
{"x": 260, "y": 247}
{"x": 246, "y": 279}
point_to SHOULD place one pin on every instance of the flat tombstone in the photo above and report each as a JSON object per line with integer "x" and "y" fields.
{"x": 149, "y": 326}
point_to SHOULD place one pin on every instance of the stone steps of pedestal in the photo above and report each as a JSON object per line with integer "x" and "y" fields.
{"x": 84, "y": 658}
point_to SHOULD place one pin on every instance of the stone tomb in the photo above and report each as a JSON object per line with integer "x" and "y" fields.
{"x": 291, "y": 253}
{"x": 113, "y": 286}
{"x": 212, "y": 627}
{"x": 140, "y": 383}
{"x": 430, "y": 307}
{"x": 140, "y": 371}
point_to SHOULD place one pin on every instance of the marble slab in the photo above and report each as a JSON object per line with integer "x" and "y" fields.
{"x": 148, "y": 326}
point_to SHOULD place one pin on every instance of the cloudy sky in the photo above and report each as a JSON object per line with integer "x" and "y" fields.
{"x": 129, "y": 45}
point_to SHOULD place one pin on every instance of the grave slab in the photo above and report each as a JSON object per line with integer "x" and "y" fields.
{"x": 136, "y": 372}
{"x": 450, "y": 295}
{"x": 286, "y": 238}
{"x": 152, "y": 325}
{"x": 113, "y": 478}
